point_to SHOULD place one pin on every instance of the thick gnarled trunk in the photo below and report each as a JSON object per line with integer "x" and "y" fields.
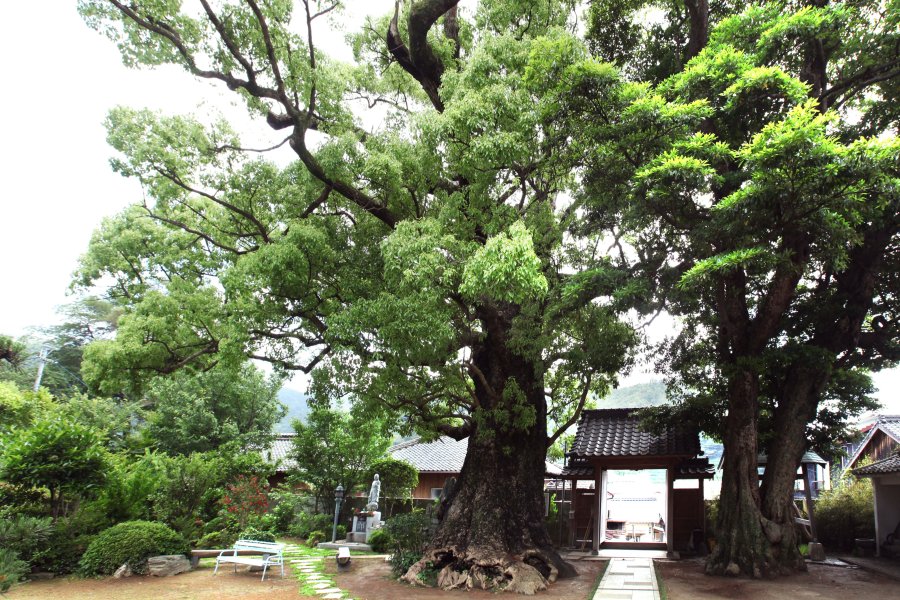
{"x": 796, "y": 409}
{"x": 492, "y": 534}
{"x": 741, "y": 543}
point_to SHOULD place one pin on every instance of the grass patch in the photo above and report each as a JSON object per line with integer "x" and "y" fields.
{"x": 663, "y": 593}
{"x": 600, "y": 575}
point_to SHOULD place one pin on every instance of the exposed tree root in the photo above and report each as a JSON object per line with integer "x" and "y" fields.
{"x": 526, "y": 574}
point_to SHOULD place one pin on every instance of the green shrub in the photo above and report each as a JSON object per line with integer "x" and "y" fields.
{"x": 132, "y": 542}
{"x": 380, "y": 541}
{"x": 24, "y": 535}
{"x": 341, "y": 532}
{"x": 11, "y": 568}
{"x": 402, "y": 561}
{"x": 409, "y": 532}
{"x": 217, "y": 539}
{"x": 314, "y": 538}
{"x": 71, "y": 536}
{"x": 260, "y": 535}
{"x": 306, "y": 523}
{"x": 845, "y": 513}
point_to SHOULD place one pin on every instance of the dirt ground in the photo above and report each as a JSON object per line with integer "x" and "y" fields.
{"x": 371, "y": 580}
{"x": 685, "y": 580}
{"x": 194, "y": 585}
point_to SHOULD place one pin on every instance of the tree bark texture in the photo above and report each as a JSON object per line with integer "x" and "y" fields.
{"x": 796, "y": 409}
{"x": 492, "y": 533}
{"x": 742, "y": 546}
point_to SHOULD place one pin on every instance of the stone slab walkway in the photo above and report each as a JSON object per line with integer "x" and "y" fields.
{"x": 628, "y": 579}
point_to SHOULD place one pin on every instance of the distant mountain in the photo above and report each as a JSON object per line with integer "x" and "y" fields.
{"x": 641, "y": 395}
{"x": 297, "y": 408}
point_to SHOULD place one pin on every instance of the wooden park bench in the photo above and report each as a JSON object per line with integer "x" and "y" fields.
{"x": 269, "y": 555}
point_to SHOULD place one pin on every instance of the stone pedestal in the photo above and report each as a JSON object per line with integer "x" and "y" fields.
{"x": 363, "y": 526}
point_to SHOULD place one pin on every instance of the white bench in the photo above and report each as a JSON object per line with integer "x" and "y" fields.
{"x": 272, "y": 555}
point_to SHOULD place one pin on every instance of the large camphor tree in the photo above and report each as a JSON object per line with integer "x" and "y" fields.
{"x": 423, "y": 253}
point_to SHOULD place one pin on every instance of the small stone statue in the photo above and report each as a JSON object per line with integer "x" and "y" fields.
{"x": 374, "y": 492}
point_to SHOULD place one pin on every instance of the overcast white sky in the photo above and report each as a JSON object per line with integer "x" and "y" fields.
{"x": 60, "y": 79}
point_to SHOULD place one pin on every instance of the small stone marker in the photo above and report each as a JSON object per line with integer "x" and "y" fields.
{"x": 169, "y": 564}
{"x": 123, "y": 571}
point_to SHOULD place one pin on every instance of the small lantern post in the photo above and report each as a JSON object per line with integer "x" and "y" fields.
{"x": 338, "y": 496}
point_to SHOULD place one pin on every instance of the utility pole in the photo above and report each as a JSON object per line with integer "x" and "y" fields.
{"x": 43, "y": 360}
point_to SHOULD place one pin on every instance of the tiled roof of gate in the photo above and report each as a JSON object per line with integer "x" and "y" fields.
{"x": 885, "y": 466}
{"x": 616, "y": 432}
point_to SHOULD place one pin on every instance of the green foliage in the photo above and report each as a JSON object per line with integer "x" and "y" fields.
{"x": 19, "y": 408}
{"x": 70, "y": 537}
{"x": 846, "y": 512}
{"x": 218, "y": 539}
{"x": 12, "y": 352}
{"x": 199, "y": 412}
{"x": 24, "y": 535}
{"x": 113, "y": 418}
{"x": 260, "y": 535}
{"x": 12, "y": 569}
{"x": 505, "y": 269}
{"x": 59, "y": 455}
{"x": 314, "y": 538}
{"x": 132, "y": 542}
{"x": 409, "y": 533}
{"x": 398, "y": 478}
{"x": 306, "y": 523}
{"x": 380, "y": 541}
{"x": 189, "y": 490}
{"x": 130, "y": 487}
{"x": 336, "y": 448}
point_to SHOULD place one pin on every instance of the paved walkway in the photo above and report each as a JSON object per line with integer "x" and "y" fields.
{"x": 883, "y": 566}
{"x": 628, "y": 579}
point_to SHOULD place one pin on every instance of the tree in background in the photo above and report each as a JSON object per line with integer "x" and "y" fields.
{"x": 66, "y": 458}
{"x": 432, "y": 266}
{"x": 398, "y": 480}
{"x": 11, "y": 351}
{"x": 337, "y": 448}
{"x": 198, "y": 412}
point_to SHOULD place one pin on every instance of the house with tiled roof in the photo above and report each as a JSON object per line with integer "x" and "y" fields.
{"x": 885, "y": 476}
{"x": 278, "y": 454}
{"x": 881, "y": 441}
{"x": 436, "y": 461}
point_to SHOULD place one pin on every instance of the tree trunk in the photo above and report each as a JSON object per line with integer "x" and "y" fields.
{"x": 742, "y": 546}
{"x": 492, "y": 534}
{"x": 796, "y": 408}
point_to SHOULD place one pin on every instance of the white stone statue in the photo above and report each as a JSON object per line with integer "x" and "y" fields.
{"x": 374, "y": 492}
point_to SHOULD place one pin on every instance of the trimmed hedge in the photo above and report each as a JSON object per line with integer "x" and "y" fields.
{"x": 132, "y": 542}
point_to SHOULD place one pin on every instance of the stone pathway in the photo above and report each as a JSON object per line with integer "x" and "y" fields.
{"x": 311, "y": 575}
{"x": 628, "y": 579}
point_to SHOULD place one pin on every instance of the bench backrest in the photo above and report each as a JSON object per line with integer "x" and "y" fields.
{"x": 267, "y": 547}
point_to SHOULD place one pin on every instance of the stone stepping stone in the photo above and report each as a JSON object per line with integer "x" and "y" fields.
{"x": 333, "y": 596}
{"x": 329, "y": 590}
